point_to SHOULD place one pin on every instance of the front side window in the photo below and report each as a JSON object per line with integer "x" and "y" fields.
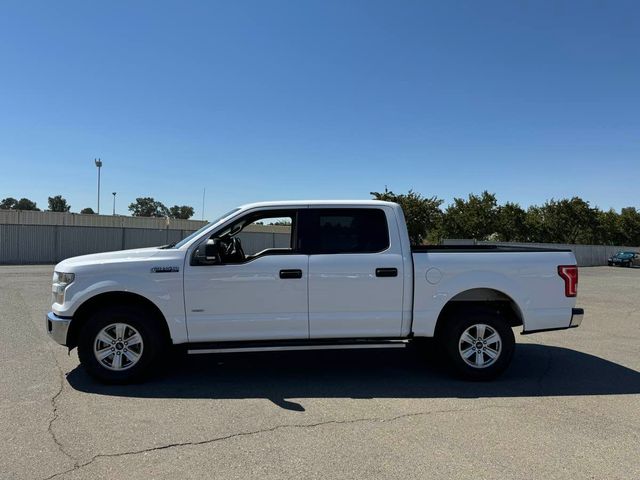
{"x": 273, "y": 231}
{"x": 346, "y": 230}
{"x": 266, "y": 232}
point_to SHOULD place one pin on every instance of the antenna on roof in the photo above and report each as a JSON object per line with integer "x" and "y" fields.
{"x": 203, "y": 192}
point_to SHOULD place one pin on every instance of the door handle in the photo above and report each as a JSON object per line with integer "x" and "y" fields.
{"x": 386, "y": 272}
{"x": 291, "y": 273}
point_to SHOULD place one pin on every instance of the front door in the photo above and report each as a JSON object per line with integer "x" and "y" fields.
{"x": 257, "y": 294}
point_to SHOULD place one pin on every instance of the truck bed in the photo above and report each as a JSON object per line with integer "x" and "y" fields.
{"x": 525, "y": 276}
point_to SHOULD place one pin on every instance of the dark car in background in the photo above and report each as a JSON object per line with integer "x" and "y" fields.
{"x": 624, "y": 259}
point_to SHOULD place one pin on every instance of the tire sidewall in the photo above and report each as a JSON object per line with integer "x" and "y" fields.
{"x": 138, "y": 319}
{"x": 458, "y": 324}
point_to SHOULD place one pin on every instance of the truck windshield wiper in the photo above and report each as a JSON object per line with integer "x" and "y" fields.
{"x": 171, "y": 245}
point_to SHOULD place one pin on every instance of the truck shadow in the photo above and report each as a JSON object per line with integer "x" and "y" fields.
{"x": 537, "y": 370}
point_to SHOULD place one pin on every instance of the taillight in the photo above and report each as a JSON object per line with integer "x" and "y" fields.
{"x": 569, "y": 274}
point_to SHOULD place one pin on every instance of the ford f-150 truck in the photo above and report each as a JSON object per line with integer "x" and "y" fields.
{"x": 344, "y": 276}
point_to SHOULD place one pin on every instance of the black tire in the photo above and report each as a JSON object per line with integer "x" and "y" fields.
{"x": 464, "y": 320}
{"x": 138, "y": 320}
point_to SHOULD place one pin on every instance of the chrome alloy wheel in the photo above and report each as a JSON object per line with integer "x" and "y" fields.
{"x": 118, "y": 346}
{"x": 480, "y": 345}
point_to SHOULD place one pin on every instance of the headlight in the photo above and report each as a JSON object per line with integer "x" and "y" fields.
{"x": 60, "y": 283}
{"x": 66, "y": 278}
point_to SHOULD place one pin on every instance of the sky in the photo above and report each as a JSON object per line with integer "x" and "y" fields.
{"x": 276, "y": 100}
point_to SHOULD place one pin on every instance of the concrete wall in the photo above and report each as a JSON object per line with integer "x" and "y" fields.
{"x": 586, "y": 255}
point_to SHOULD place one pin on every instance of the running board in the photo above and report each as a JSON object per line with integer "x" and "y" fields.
{"x": 252, "y": 347}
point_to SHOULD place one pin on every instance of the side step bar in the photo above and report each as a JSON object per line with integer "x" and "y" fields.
{"x": 238, "y": 347}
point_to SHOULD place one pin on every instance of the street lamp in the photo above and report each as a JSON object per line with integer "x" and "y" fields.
{"x": 99, "y": 165}
{"x": 114, "y": 202}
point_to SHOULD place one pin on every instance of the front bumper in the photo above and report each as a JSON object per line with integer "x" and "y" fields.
{"x": 57, "y": 327}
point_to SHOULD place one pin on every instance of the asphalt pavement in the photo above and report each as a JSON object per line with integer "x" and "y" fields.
{"x": 568, "y": 407}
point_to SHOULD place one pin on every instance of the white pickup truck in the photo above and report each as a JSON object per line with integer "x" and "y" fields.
{"x": 346, "y": 277}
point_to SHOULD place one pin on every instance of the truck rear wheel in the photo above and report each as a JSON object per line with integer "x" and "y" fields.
{"x": 119, "y": 344}
{"x": 478, "y": 344}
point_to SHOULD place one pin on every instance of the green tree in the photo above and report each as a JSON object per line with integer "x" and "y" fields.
{"x": 58, "y": 204}
{"x": 26, "y": 204}
{"x": 148, "y": 207}
{"x": 609, "y": 231}
{"x": 184, "y": 212}
{"x": 629, "y": 222}
{"x": 88, "y": 211}
{"x": 534, "y": 224}
{"x": 511, "y": 223}
{"x": 423, "y": 215}
{"x": 568, "y": 221}
{"x": 8, "y": 203}
{"x": 475, "y": 217}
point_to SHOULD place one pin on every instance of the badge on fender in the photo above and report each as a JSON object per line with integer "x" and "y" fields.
{"x": 165, "y": 269}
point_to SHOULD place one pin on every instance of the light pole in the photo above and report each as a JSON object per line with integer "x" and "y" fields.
{"x": 114, "y": 203}
{"x": 99, "y": 165}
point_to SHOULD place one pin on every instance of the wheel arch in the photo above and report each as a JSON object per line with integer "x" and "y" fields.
{"x": 486, "y": 299}
{"x": 106, "y": 299}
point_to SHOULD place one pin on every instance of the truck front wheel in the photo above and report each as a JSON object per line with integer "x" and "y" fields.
{"x": 119, "y": 344}
{"x": 478, "y": 345}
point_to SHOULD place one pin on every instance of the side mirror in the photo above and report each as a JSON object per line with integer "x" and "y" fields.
{"x": 207, "y": 253}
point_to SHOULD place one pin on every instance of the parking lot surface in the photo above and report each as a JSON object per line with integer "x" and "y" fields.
{"x": 569, "y": 406}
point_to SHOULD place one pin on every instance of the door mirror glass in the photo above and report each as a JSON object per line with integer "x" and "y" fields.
{"x": 211, "y": 249}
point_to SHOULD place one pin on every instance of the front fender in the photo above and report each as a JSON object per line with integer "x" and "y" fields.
{"x": 164, "y": 290}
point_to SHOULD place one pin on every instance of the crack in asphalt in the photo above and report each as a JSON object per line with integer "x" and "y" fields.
{"x": 38, "y": 336}
{"x": 78, "y": 466}
{"x": 54, "y": 410}
{"x": 54, "y": 417}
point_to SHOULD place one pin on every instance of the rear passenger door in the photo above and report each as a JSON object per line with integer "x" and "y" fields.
{"x": 355, "y": 272}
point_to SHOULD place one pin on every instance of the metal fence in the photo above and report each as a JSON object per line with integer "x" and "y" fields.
{"x": 30, "y": 217}
{"x": 253, "y": 242}
{"x": 48, "y": 244}
{"x": 586, "y": 255}
{"x": 29, "y": 237}
{"x": 43, "y": 244}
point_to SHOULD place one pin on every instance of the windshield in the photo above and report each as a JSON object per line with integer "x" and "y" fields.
{"x": 208, "y": 225}
{"x": 624, "y": 254}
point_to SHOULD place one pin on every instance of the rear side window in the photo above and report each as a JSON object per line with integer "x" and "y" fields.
{"x": 344, "y": 230}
